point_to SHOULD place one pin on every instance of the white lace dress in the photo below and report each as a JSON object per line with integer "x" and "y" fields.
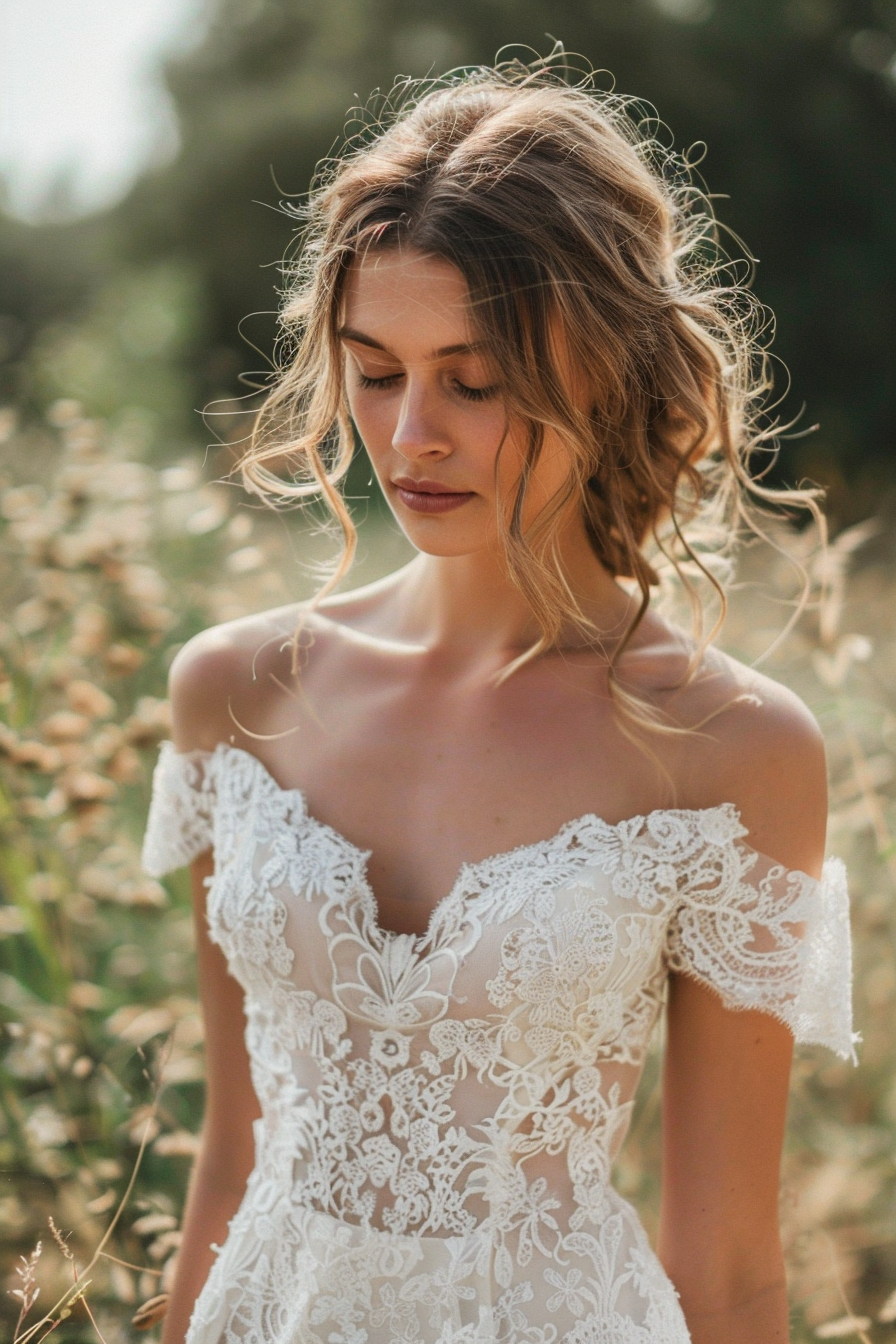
{"x": 441, "y": 1113}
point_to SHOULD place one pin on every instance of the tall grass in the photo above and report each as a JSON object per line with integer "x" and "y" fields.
{"x": 106, "y": 566}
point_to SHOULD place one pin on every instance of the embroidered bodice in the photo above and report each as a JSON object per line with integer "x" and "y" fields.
{"x": 441, "y": 1113}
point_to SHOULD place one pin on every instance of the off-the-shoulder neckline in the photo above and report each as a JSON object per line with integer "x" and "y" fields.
{"x": 728, "y": 809}
{"x": 458, "y": 902}
{"x": 472, "y": 870}
{"x": 478, "y": 870}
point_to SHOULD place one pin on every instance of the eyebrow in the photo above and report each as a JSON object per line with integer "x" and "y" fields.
{"x": 463, "y": 348}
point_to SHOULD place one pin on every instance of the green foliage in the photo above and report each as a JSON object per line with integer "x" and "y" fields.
{"x": 46, "y": 272}
{"x": 96, "y": 977}
{"x": 131, "y": 346}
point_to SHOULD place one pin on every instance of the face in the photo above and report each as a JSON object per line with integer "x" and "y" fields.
{"x": 429, "y": 407}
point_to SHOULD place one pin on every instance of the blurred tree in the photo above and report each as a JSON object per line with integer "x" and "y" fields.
{"x": 796, "y": 100}
{"x": 46, "y": 272}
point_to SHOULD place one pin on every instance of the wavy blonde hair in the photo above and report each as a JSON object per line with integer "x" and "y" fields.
{"x": 562, "y": 209}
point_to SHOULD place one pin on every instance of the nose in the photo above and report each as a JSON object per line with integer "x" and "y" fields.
{"x": 418, "y": 431}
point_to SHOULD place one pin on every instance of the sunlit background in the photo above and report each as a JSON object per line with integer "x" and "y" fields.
{"x": 83, "y": 105}
{"x": 146, "y": 150}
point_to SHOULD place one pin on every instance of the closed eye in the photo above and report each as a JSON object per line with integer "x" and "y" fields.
{"x": 474, "y": 393}
{"x": 462, "y": 390}
{"x": 388, "y": 381}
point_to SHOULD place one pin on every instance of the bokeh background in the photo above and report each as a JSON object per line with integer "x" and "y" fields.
{"x": 146, "y": 152}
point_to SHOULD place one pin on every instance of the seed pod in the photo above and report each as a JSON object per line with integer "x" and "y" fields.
{"x": 150, "y": 1313}
{"x": 85, "y": 698}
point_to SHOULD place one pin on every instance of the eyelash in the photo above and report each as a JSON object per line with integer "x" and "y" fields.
{"x": 468, "y": 393}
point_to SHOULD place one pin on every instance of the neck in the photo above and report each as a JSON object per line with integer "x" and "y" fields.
{"x": 469, "y": 605}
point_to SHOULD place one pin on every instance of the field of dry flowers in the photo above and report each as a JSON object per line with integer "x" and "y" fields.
{"x": 106, "y": 566}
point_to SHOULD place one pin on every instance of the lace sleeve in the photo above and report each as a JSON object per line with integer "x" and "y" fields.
{"x": 768, "y": 938}
{"x": 179, "y": 824}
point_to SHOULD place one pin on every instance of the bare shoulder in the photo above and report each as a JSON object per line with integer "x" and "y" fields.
{"x": 218, "y": 667}
{"x": 230, "y": 674}
{"x": 756, "y": 745}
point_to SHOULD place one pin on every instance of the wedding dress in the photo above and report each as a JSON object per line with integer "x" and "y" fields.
{"x": 441, "y": 1113}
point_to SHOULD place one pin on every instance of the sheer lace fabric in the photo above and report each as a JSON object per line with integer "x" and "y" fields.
{"x": 440, "y": 1114}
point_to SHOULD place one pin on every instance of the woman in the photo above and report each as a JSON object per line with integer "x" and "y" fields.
{"x": 507, "y": 292}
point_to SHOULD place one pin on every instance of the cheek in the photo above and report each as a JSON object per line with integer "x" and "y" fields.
{"x": 375, "y": 417}
{"x": 555, "y": 466}
{"x": 481, "y": 433}
{"x": 549, "y": 477}
{"x": 513, "y": 457}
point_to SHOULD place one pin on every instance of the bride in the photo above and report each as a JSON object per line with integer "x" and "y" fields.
{"x": 459, "y": 837}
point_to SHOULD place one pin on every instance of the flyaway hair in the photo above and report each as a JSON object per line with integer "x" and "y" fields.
{"x": 573, "y": 226}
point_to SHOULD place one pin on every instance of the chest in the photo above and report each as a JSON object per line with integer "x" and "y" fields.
{"x": 427, "y": 780}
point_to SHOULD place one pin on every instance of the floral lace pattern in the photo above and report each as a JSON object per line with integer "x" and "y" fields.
{"x": 441, "y": 1113}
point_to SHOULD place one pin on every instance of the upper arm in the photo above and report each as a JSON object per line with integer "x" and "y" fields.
{"x": 725, "y": 1084}
{"x": 199, "y": 687}
{"x": 230, "y": 1100}
{"x": 726, "y": 1071}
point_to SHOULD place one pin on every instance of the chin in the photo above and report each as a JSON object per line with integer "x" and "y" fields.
{"x": 446, "y": 542}
{"x": 445, "y": 548}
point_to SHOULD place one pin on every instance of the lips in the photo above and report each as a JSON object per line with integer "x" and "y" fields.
{"x": 426, "y": 496}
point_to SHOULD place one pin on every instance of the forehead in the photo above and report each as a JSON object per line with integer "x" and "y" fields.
{"x": 402, "y": 296}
